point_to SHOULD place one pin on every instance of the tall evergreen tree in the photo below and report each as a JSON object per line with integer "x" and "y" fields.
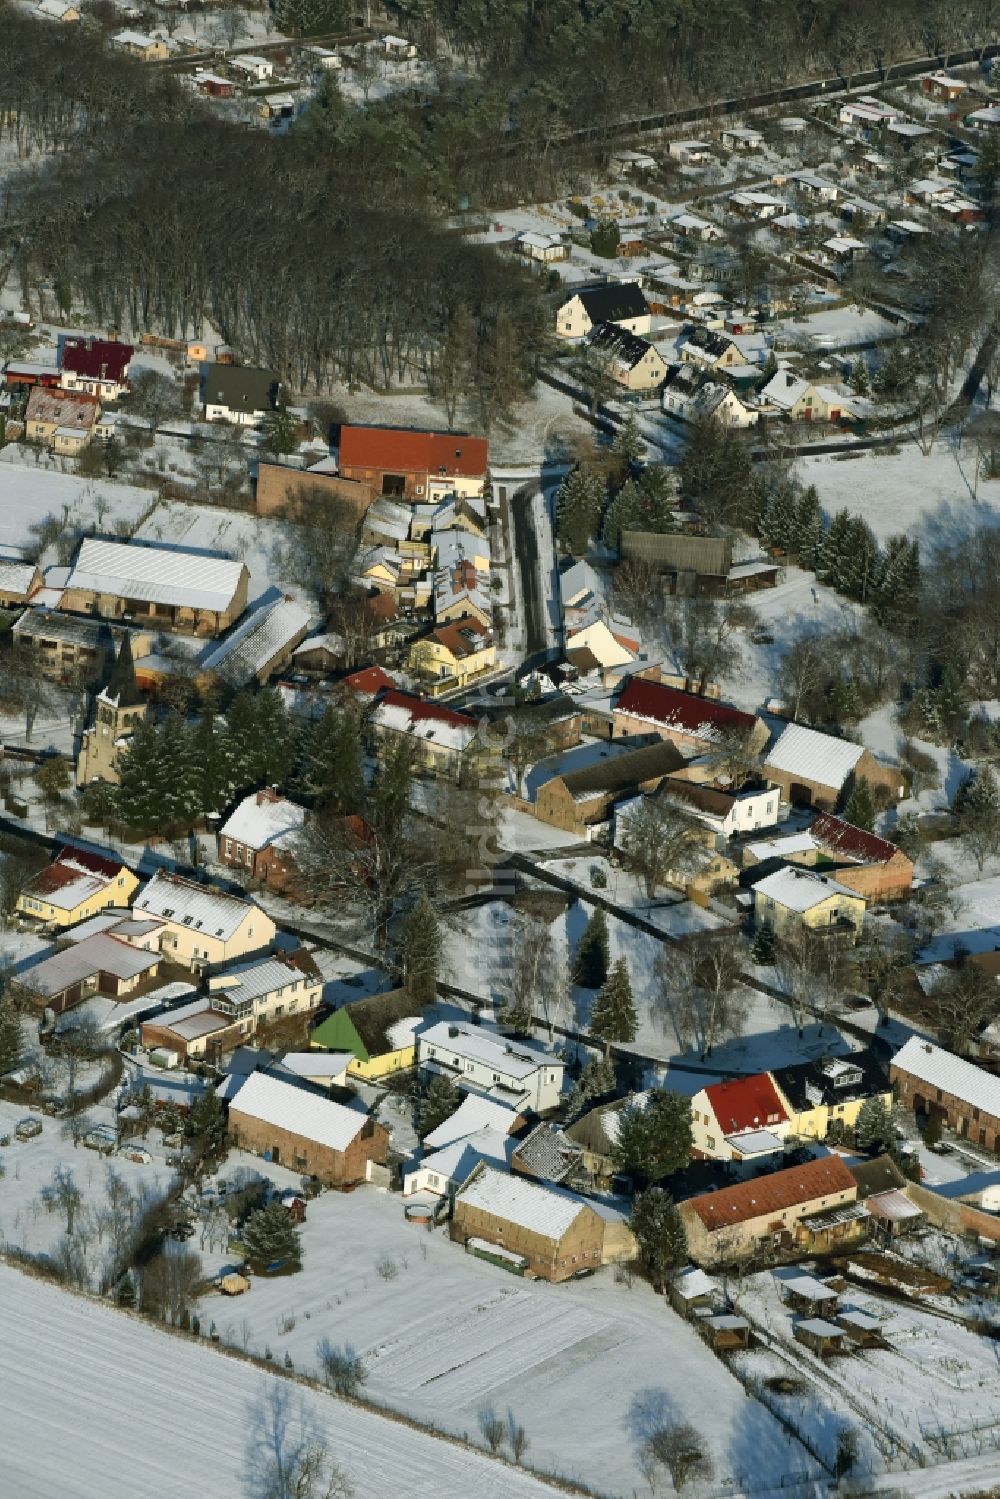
{"x": 420, "y": 947}
{"x": 860, "y": 564}
{"x": 659, "y": 1233}
{"x": 809, "y": 529}
{"x": 142, "y": 780}
{"x": 11, "y": 1038}
{"x": 613, "y": 1017}
{"x": 593, "y": 955}
{"x": 859, "y": 809}
{"x": 270, "y": 1234}
{"x": 579, "y": 502}
{"x": 628, "y": 442}
{"x": 277, "y": 739}
{"x": 438, "y": 1103}
{"x": 332, "y": 770}
{"x": 833, "y": 553}
{"x": 780, "y": 528}
{"x": 654, "y": 1139}
{"x": 211, "y": 763}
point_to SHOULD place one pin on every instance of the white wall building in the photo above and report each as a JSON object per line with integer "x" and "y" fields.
{"x": 511, "y": 1072}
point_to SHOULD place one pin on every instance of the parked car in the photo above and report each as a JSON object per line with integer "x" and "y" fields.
{"x": 27, "y": 1129}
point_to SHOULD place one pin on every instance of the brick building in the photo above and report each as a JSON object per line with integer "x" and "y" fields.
{"x": 259, "y": 838}
{"x": 546, "y": 1231}
{"x": 282, "y": 490}
{"x": 580, "y": 798}
{"x": 691, "y": 722}
{"x": 292, "y": 1126}
{"x": 815, "y": 770}
{"x": 966, "y": 1098}
{"x": 872, "y": 866}
{"x": 807, "y": 1208}
{"x": 417, "y": 465}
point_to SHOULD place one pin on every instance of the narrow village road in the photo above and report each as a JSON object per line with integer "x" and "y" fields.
{"x": 526, "y": 556}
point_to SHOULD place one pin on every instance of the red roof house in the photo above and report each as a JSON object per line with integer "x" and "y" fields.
{"x": 418, "y": 465}
{"x": 692, "y": 722}
{"x": 813, "y": 1207}
{"x": 368, "y": 682}
{"x": 96, "y": 366}
{"x": 745, "y": 1103}
{"x": 871, "y": 865}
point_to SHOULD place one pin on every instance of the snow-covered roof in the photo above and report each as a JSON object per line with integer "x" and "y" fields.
{"x": 327, "y": 1064}
{"x": 692, "y": 1283}
{"x": 801, "y": 889}
{"x": 820, "y": 1328}
{"x": 456, "y": 1161}
{"x": 159, "y": 575}
{"x": 16, "y": 577}
{"x": 255, "y": 980}
{"x": 287, "y": 1106}
{"x": 894, "y": 1205}
{"x": 262, "y": 819}
{"x": 200, "y": 907}
{"x": 473, "y": 1114}
{"x": 98, "y": 954}
{"x": 428, "y": 721}
{"x": 782, "y": 848}
{"x": 809, "y": 1288}
{"x": 814, "y": 756}
{"x": 512, "y": 1058}
{"x": 753, "y": 1142}
{"x": 539, "y": 1210}
{"x": 942, "y": 1069}
{"x": 258, "y": 639}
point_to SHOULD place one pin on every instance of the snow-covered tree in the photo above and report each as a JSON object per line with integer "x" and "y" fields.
{"x": 269, "y": 1234}
{"x": 613, "y": 1017}
{"x": 659, "y": 1234}
{"x": 420, "y": 949}
{"x": 593, "y": 952}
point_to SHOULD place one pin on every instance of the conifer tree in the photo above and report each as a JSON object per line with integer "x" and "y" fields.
{"x": 210, "y": 764}
{"x": 596, "y": 1081}
{"x": 809, "y": 529}
{"x": 613, "y": 1016}
{"x": 579, "y": 502}
{"x": 11, "y": 1038}
{"x": 420, "y": 950}
{"x": 332, "y": 773}
{"x": 833, "y": 553}
{"x": 781, "y": 520}
{"x": 860, "y": 810}
{"x": 859, "y": 376}
{"x": 873, "y": 1128}
{"x": 628, "y": 442}
{"x": 276, "y": 739}
{"x": 439, "y": 1102}
{"x": 659, "y": 1233}
{"x": 860, "y": 563}
{"x": 763, "y": 949}
{"x": 593, "y": 954}
{"x": 654, "y": 1139}
{"x": 142, "y": 780}
{"x": 269, "y": 1234}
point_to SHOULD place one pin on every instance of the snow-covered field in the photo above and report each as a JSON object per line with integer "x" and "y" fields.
{"x": 447, "y": 1333}
{"x": 207, "y": 528}
{"x": 98, "y": 1405}
{"x": 30, "y": 493}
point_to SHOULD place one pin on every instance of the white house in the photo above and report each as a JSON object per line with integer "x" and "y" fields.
{"x": 617, "y": 302}
{"x": 742, "y": 138}
{"x": 542, "y": 247}
{"x": 445, "y": 1170}
{"x": 690, "y": 153}
{"x": 260, "y": 69}
{"x": 267, "y": 990}
{"x": 725, "y": 812}
{"x": 741, "y": 1120}
{"x": 815, "y": 186}
{"x": 514, "y": 1073}
{"x": 690, "y": 393}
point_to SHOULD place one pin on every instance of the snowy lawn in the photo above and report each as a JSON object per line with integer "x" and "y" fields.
{"x": 443, "y": 1334}
{"x": 82, "y": 1437}
{"x": 29, "y": 493}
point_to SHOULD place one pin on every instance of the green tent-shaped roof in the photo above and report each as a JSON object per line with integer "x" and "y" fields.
{"x": 361, "y": 1027}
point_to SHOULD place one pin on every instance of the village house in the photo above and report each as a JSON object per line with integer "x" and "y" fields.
{"x": 940, "y": 86}
{"x": 710, "y": 350}
{"x": 966, "y": 1098}
{"x": 689, "y": 393}
{"x": 704, "y": 870}
{"x": 578, "y": 800}
{"x": 259, "y": 838}
{"x": 685, "y": 226}
{"x": 984, "y": 119}
{"x": 829, "y": 1091}
{"x": 158, "y": 585}
{"x": 379, "y": 1033}
{"x": 416, "y": 465}
{"x": 77, "y": 884}
{"x": 620, "y": 303}
{"x": 118, "y": 710}
{"x": 239, "y": 394}
{"x": 597, "y": 1133}
{"x": 792, "y": 899}
{"x": 18, "y": 581}
{"x": 441, "y": 738}
{"x": 690, "y": 153}
{"x": 514, "y": 1073}
{"x": 56, "y": 10}
{"x": 95, "y": 367}
{"x": 212, "y": 84}
{"x": 137, "y": 44}
{"x": 444, "y": 1171}
{"x": 742, "y": 138}
{"x": 538, "y": 1229}
{"x": 67, "y": 650}
{"x": 452, "y": 654}
{"x": 739, "y": 1120}
{"x": 545, "y": 248}
{"x": 61, "y": 420}
{"x": 252, "y": 994}
{"x": 633, "y": 363}
{"x": 863, "y": 861}
{"x": 258, "y": 69}
{"x": 811, "y": 185}
{"x": 101, "y": 964}
{"x": 815, "y": 770}
{"x": 725, "y": 812}
{"x": 194, "y": 1032}
{"x": 756, "y": 205}
{"x": 809, "y": 1208}
{"x": 691, "y": 722}
{"x": 261, "y": 645}
{"x": 202, "y": 926}
{"x": 548, "y": 1155}
{"x": 291, "y": 1126}
{"x": 802, "y": 401}
{"x": 609, "y": 646}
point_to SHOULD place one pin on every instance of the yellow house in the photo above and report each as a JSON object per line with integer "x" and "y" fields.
{"x": 378, "y": 1032}
{"x": 145, "y": 48}
{"x": 454, "y": 653}
{"x": 201, "y": 925}
{"x": 830, "y": 1091}
{"x": 792, "y": 899}
{"x": 75, "y": 886}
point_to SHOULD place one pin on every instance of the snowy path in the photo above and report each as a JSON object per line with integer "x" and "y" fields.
{"x": 82, "y": 1388}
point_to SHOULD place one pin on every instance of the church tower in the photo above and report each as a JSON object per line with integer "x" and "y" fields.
{"x": 118, "y": 709}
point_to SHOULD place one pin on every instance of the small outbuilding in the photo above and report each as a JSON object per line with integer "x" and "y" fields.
{"x": 824, "y": 1338}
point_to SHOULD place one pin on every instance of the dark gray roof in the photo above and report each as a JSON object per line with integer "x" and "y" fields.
{"x": 240, "y": 387}
{"x": 609, "y": 304}
{"x": 547, "y": 1153}
{"x": 619, "y": 343}
{"x": 820, "y": 1078}
{"x": 712, "y": 342}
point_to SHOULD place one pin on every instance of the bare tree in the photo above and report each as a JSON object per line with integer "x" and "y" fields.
{"x": 702, "y": 637}
{"x": 62, "y": 1195}
{"x": 660, "y": 839}
{"x": 286, "y": 1455}
{"x": 493, "y": 1428}
{"x": 699, "y": 990}
{"x": 169, "y": 1283}
{"x": 681, "y": 1449}
{"x": 533, "y": 977}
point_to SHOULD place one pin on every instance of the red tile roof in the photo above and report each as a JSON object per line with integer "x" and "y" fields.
{"x": 94, "y": 862}
{"x": 684, "y": 712}
{"x": 369, "y": 681}
{"x": 462, "y": 637}
{"x": 67, "y": 867}
{"x": 451, "y": 454}
{"x": 419, "y": 707}
{"x": 797, "y": 1187}
{"x": 844, "y": 838}
{"x": 97, "y": 358}
{"x": 746, "y": 1103}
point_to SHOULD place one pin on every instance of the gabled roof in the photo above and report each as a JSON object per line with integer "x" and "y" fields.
{"x": 240, "y": 388}
{"x": 424, "y": 720}
{"x": 619, "y": 343}
{"x": 367, "y": 682}
{"x": 517, "y": 1059}
{"x": 831, "y": 1081}
{"x": 474, "y": 1113}
{"x": 848, "y": 842}
{"x": 446, "y": 454}
{"x": 66, "y": 408}
{"x": 371, "y": 1020}
{"x": 613, "y": 303}
{"x": 746, "y": 1103}
{"x": 512, "y": 1199}
{"x": 201, "y": 907}
{"x": 264, "y": 818}
{"x": 155, "y": 574}
{"x": 100, "y": 953}
{"x": 17, "y": 577}
{"x": 682, "y": 712}
{"x": 814, "y": 756}
{"x": 258, "y": 640}
{"x": 72, "y": 878}
{"x": 287, "y": 1106}
{"x": 622, "y": 772}
{"x": 462, "y": 637}
{"x": 96, "y": 358}
{"x": 942, "y": 1069}
{"x": 798, "y": 1186}
{"x": 801, "y": 889}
